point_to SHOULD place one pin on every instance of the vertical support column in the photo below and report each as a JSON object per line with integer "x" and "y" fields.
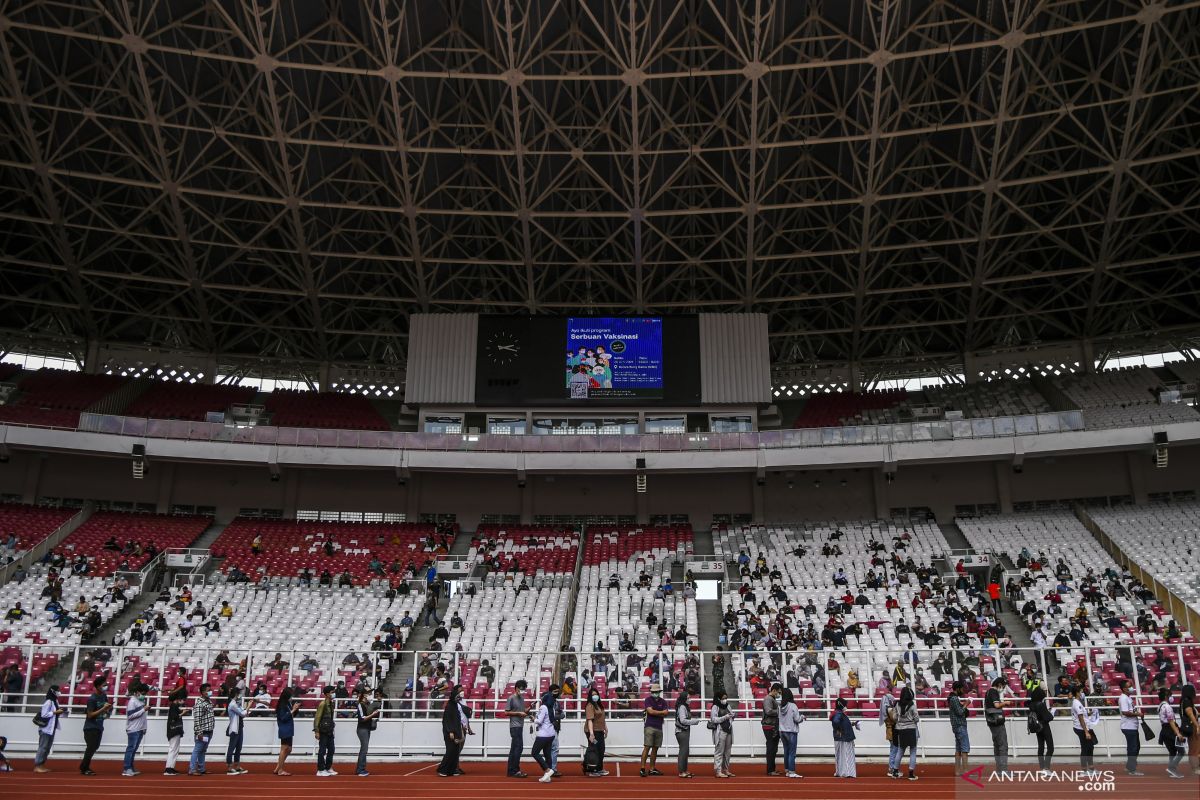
{"x": 166, "y": 483}
{"x": 526, "y": 493}
{"x": 1087, "y": 354}
{"x": 323, "y": 376}
{"x": 855, "y": 376}
{"x": 91, "y": 357}
{"x": 758, "y": 493}
{"x": 210, "y": 370}
{"x": 970, "y": 368}
{"x": 412, "y": 497}
{"x": 1004, "y": 487}
{"x": 880, "y": 492}
{"x": 1135, "y": 462}
{"x": 291, "y": 492}
{"x": 33, "y": 477}
{"x": 642, "y": 499}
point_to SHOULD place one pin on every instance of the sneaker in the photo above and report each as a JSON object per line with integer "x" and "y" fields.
{"x": 86, "y": 772}
{"x": 1137, "y": 774}
{"x": 654, "y": 772}
{"x": 1173, "y": 774}
{"x": 322, "y": 773}
{"x": 602, "y": 772}
{"x": 546, "y": 777}
{"x": 170, "y": 771}
{"x": 518, "y": 774}
{"x": 363, "y": 774}
{"x": 233, "y": 771}
{"x": 128, "y": 773}
{"x": 331, "y": 772}
{"x": 553, "y": 773}
{"x": 794, "y": 775}
{"x": 243, "y": 771}
{"x": 642, "y": 772}
{"x": 912, "y": 776}
{"x": 893, "y": 773}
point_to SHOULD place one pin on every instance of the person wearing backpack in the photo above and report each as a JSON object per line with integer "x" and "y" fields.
{"x": 720, "y": 722}
{"x": 596, "y": 730}
{"x": 98, "y": 709}
{"x": 135, "y": 726}
{"x": 994, "y": 705}
{"x": 907, "y": 724}
{"x": 47, "y": 722}
{"x": 1170, "y": 737}
{"x": 1040, "y": 716}
{"x": 175, "y": 712}
{"x": 368, "y": 720}
{"x": 684, "y": 722}
{"x": 958, "y": 726}
{"x": 324, "y": 723}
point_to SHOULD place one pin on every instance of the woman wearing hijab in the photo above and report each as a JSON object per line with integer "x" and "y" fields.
{"x": 684, "y": 722}
{"x": 1170, "y": 736}
{"x": 907, "y": 723}
{"x": 789, "y": 729}
{"x": 49, "y": 712}
{"x": 596, "y": 730}
{"x": 453, "y": 733}
{"x": 545, "y": 733}
{"x": 720, "y": 720}
{"x": 367, "y": 714}
{"x": 845, "y": 765}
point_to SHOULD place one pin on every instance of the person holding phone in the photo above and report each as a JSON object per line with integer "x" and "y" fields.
{"x": 368, "y": 716}
{"x": 1170, "y": 737}
{"x": 1081, "y": 724}
{"x": 453, "y": 733}
{"x": 285, "y": 713}
{"x": 324, "y": 724}
{"x": 720, "y": 722}
{"x": 1131, "y": 719}
{"x": 175, "y": 712}
{"x": 684, "y": 722}
{"x": 203, "y": 722}
{"x": 99, "y": 708}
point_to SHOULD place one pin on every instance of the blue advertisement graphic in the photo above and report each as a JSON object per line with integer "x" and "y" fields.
{"x": 612, "y": 357}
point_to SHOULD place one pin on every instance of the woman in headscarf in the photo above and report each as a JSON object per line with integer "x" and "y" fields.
{"x": 545, "y": 733}
{"x": 453, "y": 732}
{"x": 789, "y": 728}
{"x": 907, "y": 722}
{"x": 720, "y": 718}
{"x": 50, "y": 712}
{"x": 845, "y": 765}
{"x": 684, "y": 722}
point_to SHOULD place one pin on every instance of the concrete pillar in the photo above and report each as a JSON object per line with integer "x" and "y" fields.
{"x": 1136, "y": 462}
{"x": 759, "y": 494}
{"x": 412, "y": 497}
{"x": 881, "y": 492}
{"x": 1087, "y": 354}
{"x": 642, "y": 498}
{"x": 970, "y": 368}
{"x": 526, "y": 494}
{"x": 291, "y": 492}
{"x": 165, "y": 473}
{"x": 323, "y": 377}
{"x": 1004, "y": 486}
{"x": 91, "y": 358}
{"x": 33, "y": 477}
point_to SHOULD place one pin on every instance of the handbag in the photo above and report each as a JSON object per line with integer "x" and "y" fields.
{"x": 1035, "y": 724}
{"x": 40, "y": 721}
{"x": 1147, "y": 731}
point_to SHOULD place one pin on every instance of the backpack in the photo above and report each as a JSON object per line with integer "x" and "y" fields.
{"x": 591, "y": 758}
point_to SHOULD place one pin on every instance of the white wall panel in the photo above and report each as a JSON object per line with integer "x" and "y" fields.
{"x": 735, "y": 360}
{"x": 441, "y": 358}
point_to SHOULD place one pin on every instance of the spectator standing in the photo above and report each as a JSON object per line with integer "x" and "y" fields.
{"x": 993, "y": 590}
{"x": 98, "y": 710}
{"x": 285, "y": 722}
{"x": 48, "y": 728}
{"x": 453, "y": 732}
{"x": 175, "y": 712}
{"x": 789, "y": 729}
{"x": 770, "y": 726}
{"x": 652, "y": 734}
{"x": 517, "y": 713}
{"x": 203, "y": 722}
{"x": 888, "y": 714}
{"x": 368, "y": 716}
{"x": 1188, "y": 720}
{"x": 596, "y": 729}
{"x": 1131, "y": 719}
{"x": 323, "y": 730}
{"x": 235, "y": 730}
{"x": 907, "y": 723}
{"x": 958, "y": 726}
{"x": 994, "y": 705}
{"x": 720, "y": 721}
{"x": 1082, "y": 727}
{"x": 1170, "y": 736}
{"x": 684, "y": 722}
{"x": 845, "y": 761}
{"x": 135, "y": 726}
{"x": 544, "y": 733}
{"x": 1041, "y": 711}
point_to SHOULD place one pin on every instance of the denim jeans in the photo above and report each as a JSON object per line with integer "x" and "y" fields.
{"x": 325, "y": 752}
{"x": 893, "y": 757}
{"x": 554, "y": 753}
{"x": 541, "y": 752}
{"x": 198, "y": 752}
{"x": 789, "y": 750}
{"x": 1133, "y": 746}
{"x": 43, "y": 749}
{"x": 233, "y": 750}
{"x": 515, "y": 748}
{"x": 364, "y": 741}
{"x": 134, "y": 742}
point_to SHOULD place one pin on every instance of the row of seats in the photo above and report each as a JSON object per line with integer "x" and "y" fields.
{"x": 1122, "y": 398}
{"x": 296, "y": 409}
{"x": 30, "y": 524}
{"x": 531, "y": 548}
{"x": 190, "y": 401}
{"x": 289, "y": 547}
{"x": 994, "y": 399}
{"x": 55, "y": 398}
{"x": 163, "y": 530}
{"x": 875, "y": 407}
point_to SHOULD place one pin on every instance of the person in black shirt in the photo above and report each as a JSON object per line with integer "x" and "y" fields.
{"x": 98, "y": 709}
{"x": 175, "y": 712}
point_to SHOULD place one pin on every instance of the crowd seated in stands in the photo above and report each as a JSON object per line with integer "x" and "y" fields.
{"x": 109, "y": 541}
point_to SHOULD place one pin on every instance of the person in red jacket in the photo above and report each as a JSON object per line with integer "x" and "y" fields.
{"x": 993, "y": 590}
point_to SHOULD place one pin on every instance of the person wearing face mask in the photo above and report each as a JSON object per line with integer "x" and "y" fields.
{"x": 845, "y": 765}
{"x": 684, "y": 722}
{"x": 203, "y": 722}
{"x": 790, "y": 719}
{"x": 545, "y": 734}
{"x": 596, "y": 730}
{"x": 453, "y": 732}
{"x": 135, "y": 726}
{"x": 557, "y": 714}
{"x": 720, "y": 722}
{"x": 517, "y": 714}
{"x": 1131, "y": 718}
{"x": 994, "y": 705}
{"x": 770, "y": 726}
{"x": 656, "y": 711}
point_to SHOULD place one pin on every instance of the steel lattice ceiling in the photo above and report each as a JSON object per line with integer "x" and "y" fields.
{"x": 294, "y": 177}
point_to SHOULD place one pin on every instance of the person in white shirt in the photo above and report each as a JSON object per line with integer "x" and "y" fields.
{"x": 1169, "y": 736}
{"x": 50, "y": 712}
{"x": 135, "y": 726}
{"x": 1082, "y": 727}
{"x": 1131, "y": 719}
{"x": 235, "y": 730}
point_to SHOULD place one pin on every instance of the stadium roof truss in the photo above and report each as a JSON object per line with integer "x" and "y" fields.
{"x": 886, "y": 180}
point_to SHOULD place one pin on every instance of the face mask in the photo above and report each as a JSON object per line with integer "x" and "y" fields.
{"x": 595, "y": 698}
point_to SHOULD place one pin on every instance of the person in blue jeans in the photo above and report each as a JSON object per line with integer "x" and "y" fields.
{"x": 235, "y": 731}
{"x": 203, "y": 722}
{"x": 790, "y": 719}
{"x": 1131, "y": 727}
{"x": 135, "y": 726}
{"x": 517, "y": 712}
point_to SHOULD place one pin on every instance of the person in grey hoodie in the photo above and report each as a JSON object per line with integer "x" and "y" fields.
{"x": 770, "y": 726}
{"x": 135, "y": 725}
{"x": 907, "y": 723}
{"x": 720, "y": 720}
{"x": 684, "y": 722}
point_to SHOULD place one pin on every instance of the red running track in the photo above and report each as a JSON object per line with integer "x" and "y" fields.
{"x": 407, "y": 780}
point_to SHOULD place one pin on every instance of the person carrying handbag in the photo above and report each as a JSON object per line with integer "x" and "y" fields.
{"x": 323, "y": 731}
{"x": 1131, "y": 718}
{"x": 1170, "y": 736}
{"x": 684, "y": 722}
{"x": 47, "y": 722}
{"x": 368, "y": 716}
{"x": 720, "y": 722}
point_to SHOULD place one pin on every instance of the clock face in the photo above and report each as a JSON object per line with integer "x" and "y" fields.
{"x": 503, "y": 347}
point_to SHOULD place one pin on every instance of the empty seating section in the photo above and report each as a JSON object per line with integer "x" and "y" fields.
{"x": 8, "y": 371}
{"x": 810, "y": 577}
{"x": 296, "y": 409}
{"x": 532, "y": 548}
{"x": 190, "y": 401}
{"x": 290, "y": 547}
{"x": 1163, "y": 539}
{"x": 55, "y": 398}
{"x": 161, "y": 530}
{"x": 603, "y": 615}
{"x": 30, "y": 524}
{"x": 1187, "y": 371}
{"x": 1122, "y": 398}
{"x": 326, "y": 625}
{"x": 1008, "y": 398}
{"x": 851, "y": 408}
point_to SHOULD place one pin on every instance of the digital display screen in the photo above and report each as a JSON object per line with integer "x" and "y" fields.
{"x": 614, "y": 357}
